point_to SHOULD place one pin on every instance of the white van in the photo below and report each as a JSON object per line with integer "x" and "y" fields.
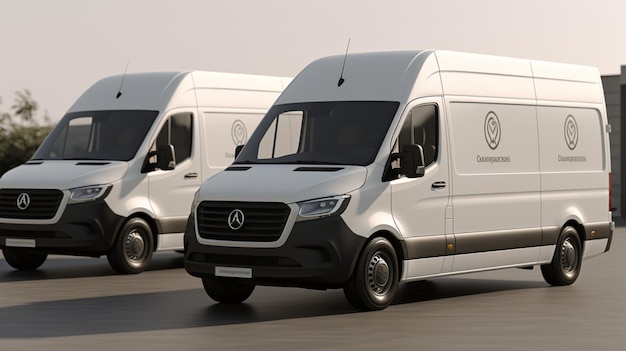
{"x": 117, "y": 175}
{"x": 410, "y": 165}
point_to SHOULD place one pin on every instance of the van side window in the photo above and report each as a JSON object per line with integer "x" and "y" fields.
{"x": 178, "y": 132}
{"x": 420, "y": 127}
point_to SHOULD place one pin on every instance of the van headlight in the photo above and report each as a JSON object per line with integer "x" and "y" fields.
{"x": 88, "y": 193}
{"x": 194, "y": 203}
{"x": 328, "y": 206}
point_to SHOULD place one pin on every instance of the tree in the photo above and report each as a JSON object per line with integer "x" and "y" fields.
{"x": 20, "y": 132}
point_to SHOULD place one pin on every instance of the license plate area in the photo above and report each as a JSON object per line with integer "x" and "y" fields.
{"x": 19, "y": 242}
{"x": 233, "y": 272}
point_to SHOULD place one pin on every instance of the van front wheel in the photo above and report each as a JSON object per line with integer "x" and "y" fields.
{"x": 24, "y": 260}
{"x": 374, "y": 282}
{"x": 228, "y": 290}
{"x": 132, "y": 251}
{"x": 567, "y": 259}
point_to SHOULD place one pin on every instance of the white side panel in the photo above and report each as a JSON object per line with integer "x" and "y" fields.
{"x": 246, "y": 99}
{"x": 574, "y": 176}
{"x": 486, "y": 76}
{"x": 238, "y": 81}
{"x": 571, "y": 139}
{"x": 223, "y": 132}
{"x": 495, "y": 178}
{"x": 486, "y": 64}
{"x": 564, "y": 82}
{"x": 561, "y": 90}
{"x": 486, "y": 85}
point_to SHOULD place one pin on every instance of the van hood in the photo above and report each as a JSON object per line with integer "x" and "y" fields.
{"x": 62, "y": 175}
{"x": 282, "y": 183}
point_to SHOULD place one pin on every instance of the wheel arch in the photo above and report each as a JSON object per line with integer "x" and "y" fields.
{"x": 398, "y": 246}
{"x": 580, "y": 230}
{"x": 154, "y": 228}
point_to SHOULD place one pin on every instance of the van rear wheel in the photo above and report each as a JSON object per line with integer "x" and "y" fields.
{"x": 132, "y": 251}
{"x": 374, "y": 283}
{"x": 228, "y": 290}
{"x": 25, "y": 260}
{"x": 567, "y": 259}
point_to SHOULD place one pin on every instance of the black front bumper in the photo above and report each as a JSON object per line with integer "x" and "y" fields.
{"x": 318, "y": 254}
{"x": 86, "y": 229}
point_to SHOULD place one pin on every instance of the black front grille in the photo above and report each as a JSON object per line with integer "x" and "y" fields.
{"x": 36, "y": 204}
{"x": 262, "y": 221}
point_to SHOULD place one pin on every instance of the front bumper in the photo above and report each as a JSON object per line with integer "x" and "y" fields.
{"x": 85, "y": 229}
{"x": 318, "y": 254}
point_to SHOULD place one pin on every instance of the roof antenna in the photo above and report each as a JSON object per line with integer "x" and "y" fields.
{"x": 119, "y": 91}
{"x": 341, "y": 80}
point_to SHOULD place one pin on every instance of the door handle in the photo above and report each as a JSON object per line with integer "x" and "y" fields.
{"x": 191, "y": 175}
{"x": 439, "y": 185}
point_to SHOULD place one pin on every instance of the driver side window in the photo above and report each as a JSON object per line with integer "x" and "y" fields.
{"x": 421, "y": 127}
{"x": 178, "y": 132}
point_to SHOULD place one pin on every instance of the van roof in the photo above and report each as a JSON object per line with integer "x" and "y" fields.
{"x": 405, "y": 75}
{"x": 155, "y": 90}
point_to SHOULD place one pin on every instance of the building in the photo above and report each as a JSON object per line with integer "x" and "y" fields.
{"x": 615, "y": 93}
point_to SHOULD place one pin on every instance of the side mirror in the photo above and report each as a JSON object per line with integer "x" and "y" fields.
{"x": 412, "y": 161}
{"x": 166, "y": 158}
{"x": 238, "y": 150}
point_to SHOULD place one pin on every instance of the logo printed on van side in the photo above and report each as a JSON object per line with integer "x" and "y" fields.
{"x": 492, "y": 130}
{"x": 571, "y": 132}
{"x": 238, "y": 132}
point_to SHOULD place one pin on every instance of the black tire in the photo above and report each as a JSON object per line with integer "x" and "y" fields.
{"x": 132, "y": 251}
{"x": 228, "y": 290}
{"x": 24, "y": 260}
{"x": 567, "y": 259}
{"x": 374, "y": 283}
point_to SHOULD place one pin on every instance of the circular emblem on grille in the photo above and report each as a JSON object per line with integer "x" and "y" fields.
{"x": 492, "y": 130}
{"x": 238, "y": 133}
{"x": 235, "y": 219}
{"x": 23, "y": 201}
{"x": 571, "y": 132}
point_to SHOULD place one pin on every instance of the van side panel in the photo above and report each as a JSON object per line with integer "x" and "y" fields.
{"x": 574, "y": 180}
{"x": 574, "y": 159}
{"x": 485, "y": 76}
{"x": 223, "y": 131}
{"x": 495, "y": 181}
{"x": 564, "y": 82}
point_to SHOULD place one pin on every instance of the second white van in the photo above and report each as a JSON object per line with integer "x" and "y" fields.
{"x": 117, "y": 174}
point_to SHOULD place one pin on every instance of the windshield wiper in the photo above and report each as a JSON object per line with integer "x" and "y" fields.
{"x": 305, "y": 162}
{"x": 82, "y": 159}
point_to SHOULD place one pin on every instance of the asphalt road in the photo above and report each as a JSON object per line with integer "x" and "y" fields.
{"x": 81, "y": 304}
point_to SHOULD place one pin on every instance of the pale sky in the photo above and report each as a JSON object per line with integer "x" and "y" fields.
{"x": 58, "y": 48}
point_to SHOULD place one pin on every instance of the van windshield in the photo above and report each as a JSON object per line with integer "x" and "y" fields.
{"x": 97, "y": 135}
{"x": 337, "y": 132}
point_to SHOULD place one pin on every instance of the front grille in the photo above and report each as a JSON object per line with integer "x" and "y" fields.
{"x": 262, "y": 221}
{"x": 37, "y": 204}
